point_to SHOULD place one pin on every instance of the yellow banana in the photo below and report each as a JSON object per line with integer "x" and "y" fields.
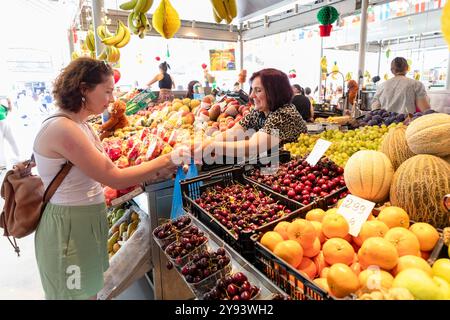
{"x": 147, "y": 6}
{"x": 103, "y": 32}
{"x": 118, "y": 36}
{"x": 220, "y": 8}
{"x": 232, "y": 8}
{"x": 90, "y": 41}
{"x": 216, "y": 16}
{"x": 125, "y": 40}
{"x": 75, "y": 55}
{"x": 103, "y": 55}
{"x": 141, "y": 5}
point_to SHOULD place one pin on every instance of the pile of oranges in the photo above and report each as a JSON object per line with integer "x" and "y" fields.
{"x": 321, "y": 248}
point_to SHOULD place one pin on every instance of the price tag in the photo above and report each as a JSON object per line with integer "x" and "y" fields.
{"x": 318, "y": 151}
{"x": 356, "y": 211}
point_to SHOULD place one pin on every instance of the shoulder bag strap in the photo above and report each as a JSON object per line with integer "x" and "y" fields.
{"x": 56, "y": 182}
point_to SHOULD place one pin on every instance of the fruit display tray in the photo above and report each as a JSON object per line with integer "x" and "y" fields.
{"x": 193, "y": 188}
{"x": 268, "y": 289}
{"x": 283, "y": 158}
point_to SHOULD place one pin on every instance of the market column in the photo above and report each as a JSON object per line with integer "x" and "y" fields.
{"x": 97, "y": 15}
{"x": 362, "y": 45}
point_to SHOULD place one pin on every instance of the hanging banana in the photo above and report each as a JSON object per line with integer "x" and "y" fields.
{"x": 103, "y": 32}
{"x": 117, "y": 37}
{"x": 224, "y": 10}
{"x": 128, "y": 5}
{"x": 90, "y": 40}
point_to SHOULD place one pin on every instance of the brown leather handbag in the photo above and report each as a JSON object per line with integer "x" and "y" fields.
{"x": 25, "y": 199}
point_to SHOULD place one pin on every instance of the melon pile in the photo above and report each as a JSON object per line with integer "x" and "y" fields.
{"x": 323, "y": 251}
{"x": 420, "y": 155}
{"x": 412, "y": 169}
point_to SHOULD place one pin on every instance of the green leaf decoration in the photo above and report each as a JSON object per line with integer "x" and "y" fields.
{"x": 327, "y": 15}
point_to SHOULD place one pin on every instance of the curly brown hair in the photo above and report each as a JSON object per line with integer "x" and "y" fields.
{"x": 81, "y": 74}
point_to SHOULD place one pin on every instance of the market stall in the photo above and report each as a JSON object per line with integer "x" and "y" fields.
{"x": 309, "y": 230}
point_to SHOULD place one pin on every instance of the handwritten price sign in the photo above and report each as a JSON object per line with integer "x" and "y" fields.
{"x": 356, "y": 211}
{"x": 318, "y": 151}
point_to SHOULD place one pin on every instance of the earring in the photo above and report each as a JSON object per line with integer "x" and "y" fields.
{"x": 83, "y": 99}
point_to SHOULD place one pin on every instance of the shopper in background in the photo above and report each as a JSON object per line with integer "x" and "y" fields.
{"x": 190, "y": 89}
{"x": 308, "y": 95}
{"x": 302, "y": 103}
{"x": 165, "y": 83}
{"x": 71, "y": 239}
{"x": 401, "y": 94}
{"x": 6, "y": 135}
{"x": 274, "y": 120}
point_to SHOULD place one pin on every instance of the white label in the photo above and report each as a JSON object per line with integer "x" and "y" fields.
{"x": 127, "y": 197}
{"x": 318, "y": 151}
{"x": 356, "y": 211}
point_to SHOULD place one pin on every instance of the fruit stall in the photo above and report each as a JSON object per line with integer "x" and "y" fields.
{"x": 366, "y": 221}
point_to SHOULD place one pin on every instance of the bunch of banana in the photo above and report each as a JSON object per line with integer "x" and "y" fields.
{"x": 138, "y": 23}
{"x": 120, "y": 38}
{"x": 224, "y": 10}
{"x": 110, "y": 54}
{"x": 90, "y": 40}
{"x": 103, "y": 32}
{"x": 137, "y": 20}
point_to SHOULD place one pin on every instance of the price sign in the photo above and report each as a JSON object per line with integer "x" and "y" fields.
{"x": 318, "y": 151}
{"x": 356, "y": 211}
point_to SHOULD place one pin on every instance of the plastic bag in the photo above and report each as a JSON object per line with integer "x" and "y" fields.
{"x": 177, "y": 200}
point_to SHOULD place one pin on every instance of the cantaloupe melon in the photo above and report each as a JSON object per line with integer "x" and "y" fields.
{"x": 368, "y": 175}
{"x": 419, "y": 186}
{"x": 430, "y": 134}
{"x": 395, "y": 147}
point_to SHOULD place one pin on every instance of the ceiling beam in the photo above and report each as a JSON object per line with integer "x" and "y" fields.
{"x": 201, "y": 30}
{"x": 291, "y": 20}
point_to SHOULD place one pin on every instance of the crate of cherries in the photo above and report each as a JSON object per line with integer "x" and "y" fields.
{"x": 303, "y": 183}
{"x": 241, "y": 208}
{"x": 205, "y": 268}
{"x": 189, "y": 241}
{"x": 233, "y": 287}
{"x": 166, "y": 233}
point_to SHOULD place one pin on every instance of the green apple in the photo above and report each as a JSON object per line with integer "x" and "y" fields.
{"x": 419, "y": 283}
{"x": 441, "y": 268}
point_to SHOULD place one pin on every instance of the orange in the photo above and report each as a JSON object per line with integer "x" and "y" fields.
{"x": 370, "y": 229}
{"x": 270, "y": 239}
{"x": 394, "y": 217}
{"x": 426, "y": 234}
{"x": 308, "y": 267}
{"x": 371, "y": 217}
{"x": 322, "y": 284}
{"x": 314, "y": 250}
{"x": 290, "y": 251}
{"x": 375, "y": 279}
{"x": 334, "y": 225}
{"x": 404, "y": 240}
{"x": 379, "y": 252}
{"x": 303, "y": 232}
{"x": 281, "y": 228}
{"x": 409, "y": 261}
{"x": 332, "y": 210}
{"x": 320, "y": 262}
{"x": 337, "y": 250}
{"x": 324, "y": 272}
{"x": 319, "y": 232}
{"x": 315, "y": 215}
{"x": 342, "y": 281}
{"x": 356, "y": 267}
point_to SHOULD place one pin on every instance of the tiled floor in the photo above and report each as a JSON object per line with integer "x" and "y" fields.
{"x": 19, "y": 276}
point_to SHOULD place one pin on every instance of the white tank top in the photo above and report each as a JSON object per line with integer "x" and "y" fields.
{"x": 77, "y": 189}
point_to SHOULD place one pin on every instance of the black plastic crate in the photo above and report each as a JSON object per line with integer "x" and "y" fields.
{"x": 284, "y": 157}
{"x": 193, "y": 188}
{"x": 283, "y": 274}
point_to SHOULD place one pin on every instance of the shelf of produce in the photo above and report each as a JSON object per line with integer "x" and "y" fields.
{"x": 239, "y": 264}
{"x": 167, "y": 284}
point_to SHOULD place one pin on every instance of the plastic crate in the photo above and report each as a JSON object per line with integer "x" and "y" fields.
{"x": 193, "y": 188}
{"x": 283, "y": 274}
